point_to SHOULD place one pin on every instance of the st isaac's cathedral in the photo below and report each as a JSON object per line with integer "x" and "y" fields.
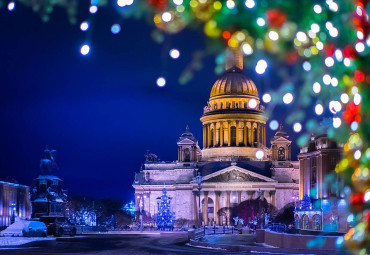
{"x": 234, "y": 165}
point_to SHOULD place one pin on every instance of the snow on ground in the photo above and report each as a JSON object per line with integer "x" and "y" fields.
{"x": 13, "y": 241}
{"x": 206, "y": 247}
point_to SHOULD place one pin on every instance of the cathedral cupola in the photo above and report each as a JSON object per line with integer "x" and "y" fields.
{"x": 188, "y": 149}
{"x": 233, "y": 120}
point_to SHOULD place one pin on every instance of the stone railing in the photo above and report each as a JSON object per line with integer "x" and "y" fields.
{"x": 208, "y": 109}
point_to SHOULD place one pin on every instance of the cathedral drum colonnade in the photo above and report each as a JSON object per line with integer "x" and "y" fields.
{"x": 234, "y": 129}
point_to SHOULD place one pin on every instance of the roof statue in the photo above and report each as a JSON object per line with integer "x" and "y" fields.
{"x": 151, "y": 157}
{"x": 47, "y": 163}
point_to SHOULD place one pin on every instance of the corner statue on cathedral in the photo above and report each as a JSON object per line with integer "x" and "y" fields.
{"x": 235, "y": 164}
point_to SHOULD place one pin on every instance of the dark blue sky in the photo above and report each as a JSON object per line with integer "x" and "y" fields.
{"x": 101, "y": 112}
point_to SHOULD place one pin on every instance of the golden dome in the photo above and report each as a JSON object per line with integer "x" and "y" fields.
{"x": 234, "y": 82}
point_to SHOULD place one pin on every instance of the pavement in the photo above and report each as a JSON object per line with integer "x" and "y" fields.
{"x": 140, "y": 243}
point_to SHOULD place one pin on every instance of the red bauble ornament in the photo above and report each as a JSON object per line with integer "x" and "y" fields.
{"x": 158, "y": 4}
{"x": 357, "y": 201}
{"x": 291, "y": 57}
{"x": 329, "y": 50}
{"x": 352, "y": 113}
{"x": 349, "y": 52}
{"x": 275, "y": 18}
{"x": 359, "y": 76}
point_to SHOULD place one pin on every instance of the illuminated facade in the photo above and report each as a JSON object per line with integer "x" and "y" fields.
{"x": 14, "y": 203}
{"x": 321, "y": 186}
{"x": 235, "y": 164}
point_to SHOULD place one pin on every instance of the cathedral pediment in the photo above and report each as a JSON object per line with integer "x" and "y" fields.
{"x": 185, "y": 141}
{"x": 236, "y": 174}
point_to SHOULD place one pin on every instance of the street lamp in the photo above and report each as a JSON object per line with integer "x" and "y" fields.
{"x": 199, "y": 181}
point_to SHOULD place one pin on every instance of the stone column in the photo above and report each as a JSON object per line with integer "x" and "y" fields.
{"x": 228, "y": 207}
{"x": 239, "y": 197}
{"x": 205, "y": 208}
{"x": 252, "y": 133}
{"x": 258, "y": 133}
{"x": 245, "y": 134}
{"x": 229, "y": 134}
{"x": 204, "y": 136}
{"x": 272, "y": 197}
{"x": 217, "y": 207}
{"x": 221, "y": 134}
{"x": 237, "y": 133}
{"x": 264, "y": 134}
{"x": 196, "y": 213}
{"x": 214, "y": 135}
{"x": 208, "y": 135}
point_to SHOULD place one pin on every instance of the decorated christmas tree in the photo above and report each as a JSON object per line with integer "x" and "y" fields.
{"x": 165, "y": 218}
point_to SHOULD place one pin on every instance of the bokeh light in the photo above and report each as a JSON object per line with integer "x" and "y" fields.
{"x": 337, "y": 122}
{"x": 115, "y": 29}
{"x": 297, "y": 127}
{"x": 274, "y": 124}
{"x": 261, "y": 66}
{"x": 273, "y": 35}
{"x": 288, "y": 98}
{"x": 174, "y": 53}
{"x": 252, "y": 103}
{"x": 319, "y": 109}
{"x": 316, "y": 87}
{"x": 93, "y": 9}
{"x": 259, "y": 154}
{"x": 161, "y": 82}
{"x": 247, "y": 49}
{"x": 261, "y": 22}
{"x": 266, "y": 98}
{"x": 84, "y": 26}
{"x": 11, "y": 6}
{"x": 166, "y": 17}
{"x": 85, "y": 49}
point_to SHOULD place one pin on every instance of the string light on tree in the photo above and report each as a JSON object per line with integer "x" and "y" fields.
{"x": 347, "y": 62}
{"x": 178, "y": 2}
{"x": 338, "y": 55}
{"x": 247, "y": 49}
{"x": 317, "y": 8}
{"x": 161, "y": 82}
{"x": 344, "y": 98}
{"x": 297, "y": 127}
{"x": 326, "y": 79}
{"x": 319, "y": 109}
{"x": 357, "y": 155}
{"x": 261, "y": 22}
{"x": 316, "y": 87}
{"x": 334, "y": 82}
{"x": 301, "y": 36}
{"x": 249, "y": 3}
{"x": 166, "y": 17}
{"x": 174, "y": 53}
{"x": 230, "y": 4}
{"x": 11, "y": 6}
{"x": 306, "y": 66}
{"x": 288, "y": 98}
{"x": 337, "y": 122}
{"x": 329, "y": 61}
{"x": 93, "y": 9}
{"x": 354, "y": 125}
{"x": 266, "y": 98}
{"x": 115, "y": 29}
{"x": 273, "y": 35}
{"x": 335, "y": 106}
{"x": 84, "y": 26}
{"x": 274, "y": 124}
{"x": 360, "y": 47}
{"x": 85, "y": 49}
{"x": 261, "y": 66}
{"x": 357, "y": 98}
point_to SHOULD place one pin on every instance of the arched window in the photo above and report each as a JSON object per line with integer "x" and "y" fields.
{"x": 187, "y": 155}
{"x": 316, "y": 222}
{"x": 296, "y": 221}
{"x": 305, "y": 224}
{"x": 233, "y": 136}
{"x": 245, "y": 105}
{"x": 221, "y": 105}
{"x": 281, "y": 154}
{"x": 212, "y": 132}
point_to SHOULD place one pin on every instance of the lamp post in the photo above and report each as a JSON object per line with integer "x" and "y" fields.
{"x": 199, "y": 181}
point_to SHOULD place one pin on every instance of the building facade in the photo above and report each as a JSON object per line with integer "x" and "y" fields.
{"x": 321, "y": 189}
{"x": 14, "y": 203}
{"x": 234, "y": 165}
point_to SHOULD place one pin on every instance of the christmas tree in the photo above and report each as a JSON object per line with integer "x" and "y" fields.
{"x": 306, "y": 202}
{"x": 165, "y": 218}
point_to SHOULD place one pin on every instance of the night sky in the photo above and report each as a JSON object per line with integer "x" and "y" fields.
{"x": 101, "y": 112}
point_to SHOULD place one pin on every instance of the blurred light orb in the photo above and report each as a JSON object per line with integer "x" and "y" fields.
{"x": 11, "y": 6}
{"x": 273, "y": 35}
{"x": 328, "y": 25}
{"x": 306, "y": 66}
{"x": 249, "y": 3}
{"x": 230, "y": 4}
{"x": 326, "y": 79}
{"x": 316, "y": 87}
{"x": 288, "y": 98}
{"x": 357, "y": 155}
{"x": 319, "y": 45}
{"x": 360, "y": 35}
{"x": 85, "y": 49}
{"x": 319, "y": 109}
{"x": 261, "y": 66}
{"x": 334, "y": 81}
{"x": 317, "y": 9}
{"x": 252, "y": 103}
{"x": 161, "y": 82}
{"x": 247, "y": 49}
{"x": 354, "y": 126}
{"x": 337, "y": 122}
{"x": 297, "y": 127}
{"x": 335, "y": 106}
{"x": 115, "y": 29}
{"x": 347, "y": 62}
{"x": 266, "y": 98}
{"x": 274, "y": 124}
{"x": 84, "y": 26}
{"x": 93, "y": 9}
{"x": 174, "y": 53}
{"x": 315, "y": 28}
{"x": 301, "y": 36}
{"x": 329, "y": 61}
{"x": 333, "y": 32}
{"x": 259, "y": 154}
{"x": 357, "y": 99}
{"x": 344, "y": 98}
{"x": 261, "y": 22}
{"x": 354, "y": 90}
{"x": 360, "y": 47}
{"x": 121, "y": 3}
{"x": 367, "y": 195}
{"x": 166, "y": 17}
{"x": 178, "y": 2}
{"x": 338, "y": 55}
{"x": 333, "y": 6}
